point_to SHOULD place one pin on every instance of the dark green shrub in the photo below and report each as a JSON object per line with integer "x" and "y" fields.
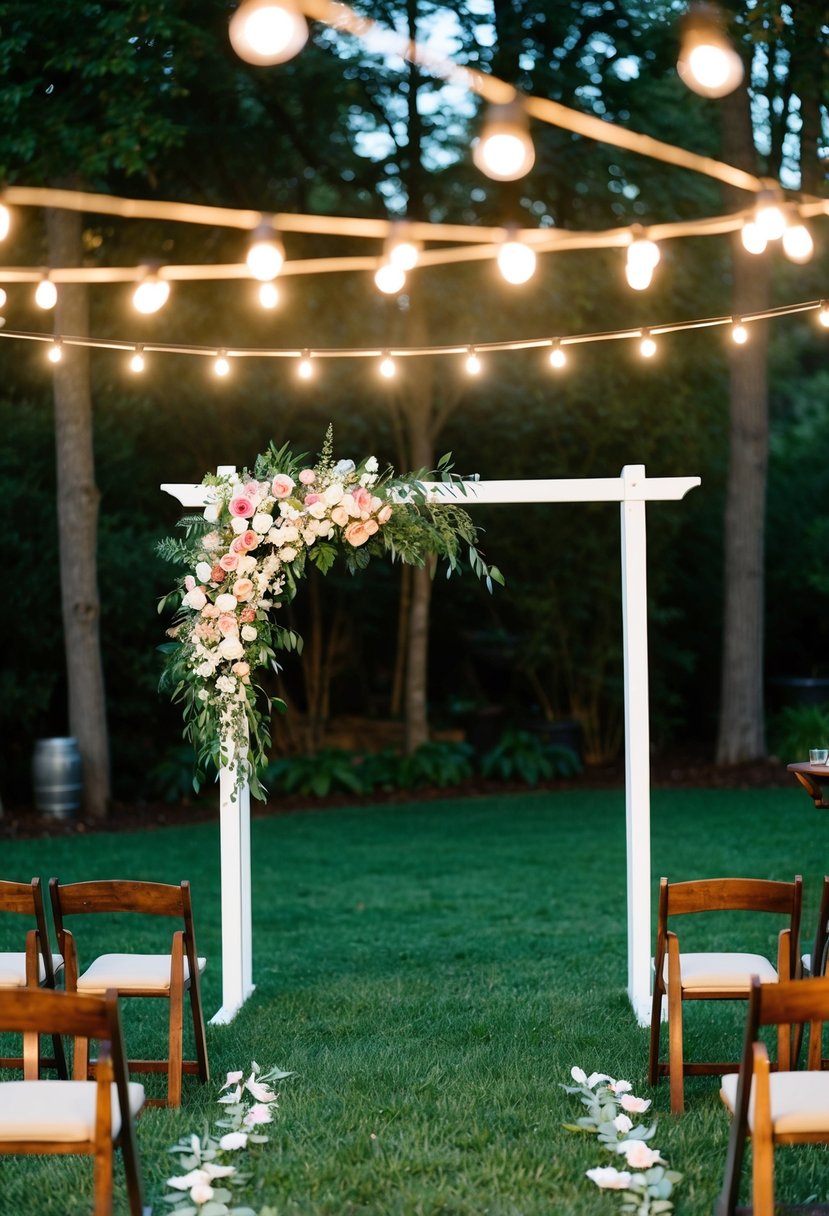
{"x": 436, "y": 763}
{"x": 522, "y": 756}
{"x": 796, "y": 729}
{"x": 328, "y": 771}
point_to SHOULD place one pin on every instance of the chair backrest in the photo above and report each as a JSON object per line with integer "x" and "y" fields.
{"x": 27, "y": 898}
{"x": 732, "y": 895}
{"x": 822, "y": 933}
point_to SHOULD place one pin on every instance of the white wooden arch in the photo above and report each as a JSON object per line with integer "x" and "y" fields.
{"x": 632, "y": 490}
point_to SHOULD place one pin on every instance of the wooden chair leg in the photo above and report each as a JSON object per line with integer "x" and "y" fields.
{"x": 656, "y": 1027}
{"x": 198, "y": 1031}
{"x": 675, "y": 1052}
{"x": 762, "y": 1144}
{"x": 129, "y": 1152}
{"x": 103, "y": 1180}
{"x": 175, "y": 1042}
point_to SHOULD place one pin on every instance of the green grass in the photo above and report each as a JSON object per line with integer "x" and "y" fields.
{"x": 431, "y": 972}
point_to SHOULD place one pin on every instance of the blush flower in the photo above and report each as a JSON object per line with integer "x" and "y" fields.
{"x": 636, "y": 1106}
{"x": 241, "y": 507}
{"x": 307, "y": 477}
{"x": 243, "y": 589}
{"x": 282, "y": 485}
{"x": 357, "y": 533}
{"x": 638, "y": 1155}
{"x": 229, "y": 561}
{"x": 609, "y": 1178}
{"x": 384, "y": 514}
{"x": 258, "y": 1113}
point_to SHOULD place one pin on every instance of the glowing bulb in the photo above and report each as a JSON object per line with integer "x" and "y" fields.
{"x": 516, "y": 261}
{"x": 264, "y": 31}
{"x": 55, "y": 353}
{"x": 505, "y": 150}
{"x": 708, "y": 63}
{"x": 46, "y": 294}
{"x": 647, "y": 347}
{"x": 642, "y": 256}
{"x": 823, "y": 314}
{"x": 137, "y": 361}
{"x": 390, "y": 279}
{"x": 268, "y": 295}
{"x": 771, "y": 221}
{"x": 387, "y": 368}
{"x": 5, "y": 221}
{"x": 639, "y": 276}
{"x": 3, "y": 298}
{"x": 558, "y": 359}
{"x": 305, "y": 371}
{"x": 739, "y": 334}
{"x": 221, "y": 367}
{"x": 403, "y": 254}
{"x": 473, "y": 363}
{"x": 798, "y": 245}
{"x": 266, "y": 254}
{"x": 151, "y": 294}
{"x": 752, "y": 238}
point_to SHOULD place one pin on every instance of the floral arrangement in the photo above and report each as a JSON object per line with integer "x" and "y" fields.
{"x": 646, "y": 1184}
{"x": 204, "y": 1190}
{"x": 243, "y": 559}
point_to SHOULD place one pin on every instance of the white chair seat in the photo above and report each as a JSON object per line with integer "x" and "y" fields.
{"x": 150, "y": 972}
{"x": 13, "y": 969}
{"x": 799, "y": 1101}
{"x": 57, "y": 1110}
{"x": 728, "y": 972}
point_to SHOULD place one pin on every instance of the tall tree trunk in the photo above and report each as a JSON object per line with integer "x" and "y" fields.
{"x": 77, "y": 522}
{"x": 741, "y": 734}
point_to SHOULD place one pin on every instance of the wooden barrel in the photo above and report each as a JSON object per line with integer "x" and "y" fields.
{"x": 56, "y": 776}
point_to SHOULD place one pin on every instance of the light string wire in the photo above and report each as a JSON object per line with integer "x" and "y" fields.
{"x": 403, "y": 352}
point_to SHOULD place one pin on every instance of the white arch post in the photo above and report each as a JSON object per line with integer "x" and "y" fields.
{"x": 632, "y": 490}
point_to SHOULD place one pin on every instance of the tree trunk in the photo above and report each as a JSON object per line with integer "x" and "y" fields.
{"x": 741, "y": 734}
{"x": 78, "y": 498}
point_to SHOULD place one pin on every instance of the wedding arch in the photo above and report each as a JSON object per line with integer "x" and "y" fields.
{"x": 632, "y": 489}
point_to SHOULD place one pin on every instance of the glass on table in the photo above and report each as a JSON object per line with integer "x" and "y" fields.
{"x": 818, "y": 755}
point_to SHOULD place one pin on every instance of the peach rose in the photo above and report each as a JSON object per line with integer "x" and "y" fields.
{"x": 339, "y": 516}
{"x": 237, "y": 545}
{"x": 384, "y": 514}
{"x": 356, "y": 534}
{"x": 307, "y": 477}
{"x": 229, "y": 561}
{"x": 243, "y": 589}
{"x": 250, "y": 539}
{"x": 282, "y": 485}
{"x": 227, "y": 623}
{"x": 372, "y": 526}
{"x": 247, "y": 615}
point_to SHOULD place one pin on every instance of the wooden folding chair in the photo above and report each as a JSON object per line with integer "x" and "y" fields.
{"x": 78, "y": 1116}
{"x": 713, "y": 975}
{"x": 33, "y": 967}
{"x": 167, "y": 976}
{"x": 780, "y": 1107}
{"x": 815, "y": 963}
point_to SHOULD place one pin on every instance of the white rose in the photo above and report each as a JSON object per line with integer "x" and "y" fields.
{"x": 317, "y": 510}
{"x": 248, "y": 633}
{"x": 246, "y": 564}
{"x": 309, "y": 535}
{"x": 325, "y": 528}
{"x": 239, "y": 525}
{"x": 371, "y": 465}
{"x": 261, "y": 522}
{"x": 203, "y": 694}
{"x": 205, "y": 671}
{"x": 333, "y": 494}
{"x": 287, "y": 511}
{"x": 203, "y": 572}
{"x": 226, "y": 603}
{"x": 196, "y": 599}
{"x": 286, "y": 535}
{"x": 211, "y": 512}
{"x": 230, "y": 648}
{"x": 226, "y": 683}
{"x": 288, "y": 553}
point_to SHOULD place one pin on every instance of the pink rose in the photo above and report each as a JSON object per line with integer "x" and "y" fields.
{"x": 356, "y": 533}
{"x": 241, "y": 507}
{"x": 307, "y": 477}
{"x": 229, "y": 561}
{"x": 339, "y": 516}
{"x": 384, "y": 514}
{"x": 227, "y": 623}
{"x": 250, "y": 539}
{"x": 310, "y": 499}
{"x": 189, "y": 583}
{"x": 243, "y": 589}
{"x": 252, "y": 489}
{"x": 362, "y": 498}
{"x": 237, "y": 545}
{"x": 217, "y": 574}
{"x": 282, "y": 485}
{"x": 247, "y": 615}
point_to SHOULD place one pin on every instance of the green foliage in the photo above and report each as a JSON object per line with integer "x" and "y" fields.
{"x": 796, "y": 729}
{"x": 328, "y": 771}
{"x": 522, "y": 756}
{"x": 439, "y": 763}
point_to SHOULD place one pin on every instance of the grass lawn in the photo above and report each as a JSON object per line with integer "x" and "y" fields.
{"x": 431, "y": 972}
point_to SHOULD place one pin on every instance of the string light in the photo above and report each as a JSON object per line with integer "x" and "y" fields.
{"x": 473, "y": 363}
{"x": 401, "y": 250}
{"x": 5, "y": 221}
{"x": 266, "y": 253}
{"x": 642, "y": 258}
{"x": 221, "y": 367}
{"x": 739, "y": 333}
{"x": 46, "y": 294}
{"x": 305, "y": 371}
{"x": 647, "y": 347}
{"x": 752, "y": 238}
{"x": 390, "y": 279}
{"x": 798, "y": 245}
{"x": 151, "y": 294}
{"x": 823, "y": 314}
{"x": 268, "y": 295}
{"x": 265, "y": 32}
{"x": 708, "y": 63}
{"x": 387, "y": 367}
{"x": 137, "y": 360}
{"x": 505, "y": 150}
{"x": 516, "y": 261}
{"x": 55, "y": 351}
{"x": 769, "y": 218}
{"x": 3, "y": 298}
{"x": 558, "y": 358}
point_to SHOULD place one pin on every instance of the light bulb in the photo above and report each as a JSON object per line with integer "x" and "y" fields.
{"x": 268, "y": 295}
{"x": 752, "y": 238}
{"x": 5, "y": 221}
{"x": 151, "y": 294}
{"x": 3, "y": 298}
{"x": 221, "y": 367}
{"x": 642, "y": 256}
{"x": 473, "y": 363}
{"x": 558, "y": 359}
{"x": 390, "y": 279}
{"x": 708, "y": 63}
{"x": 823, "y": 314}
{"x": 402, "y": 253}
{"x": 265, "y": 32}
{"x": 739, "y": 333}
{"x": 137, "y": 361}
{"x": 266, "y": 254}
{"x": 770, "y": 220}
{"x": 46, "y": 294}
{"x": 55, "y": 352}
{"x": 505, "y": 150}
{"x": 647, "y": 347}
{"x": 387, "y": 368}
{"x": 305, "y": 371}
{"x": 516, "y": 261}
{"x": 798, "y": 245}
{"x": 639, "y": 276}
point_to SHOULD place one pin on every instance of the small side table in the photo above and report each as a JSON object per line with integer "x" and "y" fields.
{"x": 812, "y": 777}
